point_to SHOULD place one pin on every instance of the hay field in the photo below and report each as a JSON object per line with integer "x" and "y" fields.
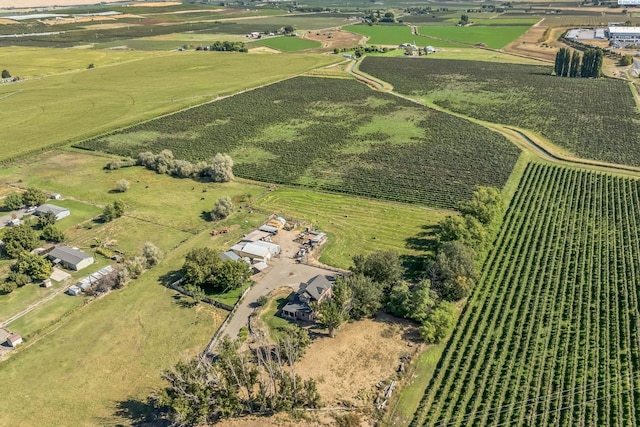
{"x": 36, "y": 114}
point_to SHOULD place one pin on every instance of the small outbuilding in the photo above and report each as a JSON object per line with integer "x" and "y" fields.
{"x": 58, "y": 211}
{"x": 74, "y": 290}
{"x": 46, "y": 283}
{"x": 14, "y": 340}
{"x": 259, "y": 267}
{"x": 55, "y": 196}
{"x": 269, "y": 229}
{"x": 256, "y": 235}
{"x": 70, "y": 258}
{"x": 229, "y": 255}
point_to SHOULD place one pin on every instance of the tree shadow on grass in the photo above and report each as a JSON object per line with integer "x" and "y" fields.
{"x": 426, "y": 242}
{"x": 170, "y": 277}
{"x": 140, "y": 413}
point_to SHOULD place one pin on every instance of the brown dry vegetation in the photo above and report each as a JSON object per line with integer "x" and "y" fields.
{"x": 530, "y": 44}
{"x": 333, "y": 38}
{"x": 362, "y": 354}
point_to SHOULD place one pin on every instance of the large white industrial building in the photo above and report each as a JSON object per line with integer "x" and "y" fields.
{"x": 624, "y": 36}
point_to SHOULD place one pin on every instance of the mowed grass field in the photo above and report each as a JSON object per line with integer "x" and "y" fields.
{"x": 395, "y": 35}
{"x": 288, "y": 44}
{"x": 69, "y": 107}
{"x": 169, "y": 203}
{"x": 492, "y": 36}
{"x": 358, "y": 226}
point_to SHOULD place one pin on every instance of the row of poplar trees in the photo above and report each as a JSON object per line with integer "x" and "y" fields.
{"x": 572, "y": 65}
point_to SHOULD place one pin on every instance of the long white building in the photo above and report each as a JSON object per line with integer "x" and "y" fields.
{"x": 624, "y": 36}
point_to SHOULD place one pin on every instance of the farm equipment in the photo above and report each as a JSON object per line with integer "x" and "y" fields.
{"x": 216, "y": 232}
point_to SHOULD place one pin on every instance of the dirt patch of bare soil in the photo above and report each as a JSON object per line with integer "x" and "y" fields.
{"x": 363, "y": 353}
{"x": 530, "y": 44}
{"x": 334, "y": 38}
{"x": 263, "y": 49}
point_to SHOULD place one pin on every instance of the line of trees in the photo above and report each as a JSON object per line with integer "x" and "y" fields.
{"x": 220, "y": 169}
{"x": 31, "y": 197}
{"x": 237, "y": 383}
{"x": 568, "y": 64}
{"x": 203, "y": 268}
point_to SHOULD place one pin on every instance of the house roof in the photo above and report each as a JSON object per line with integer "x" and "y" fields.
{"x": 273, "y": 248}
{"x": 296, "y": 306}
{"x": 316, "y": 286}
{"x": 14, "y": 337}
{"x": 257, "y": 250}
{"x": 260, "y": 266}
{"x": 42, "y": 209}
{"x": 255, "y": 235}
{"x": 230, "y": 255}
{"x": 268, "y": 229}
{"x": 68, "y": 255}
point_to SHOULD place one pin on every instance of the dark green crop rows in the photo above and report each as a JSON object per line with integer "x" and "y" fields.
{"x": 336, "y": 135}
{"x": 551, "y": 335}
{"x": 593, "y": 118}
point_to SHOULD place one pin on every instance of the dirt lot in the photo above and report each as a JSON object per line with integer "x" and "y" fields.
{"x": 362, "y": 354}
{"x": 529, "y": 44}
{"x": 333, "y": 38}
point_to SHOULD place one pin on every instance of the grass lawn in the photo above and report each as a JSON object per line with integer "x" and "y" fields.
{"x": 21, "y": 298}
{"x": 80, "y": 212}
{"x": 269, "y": 313}
{"x": 494, "y": 37}
{"x": 289, "y": 44}
{"x": 395, "y": 35}
{"x": 155, "y": 198}
{"x": 355, "y": 225}
{"x": 45, "y": 315}
{"x": 30, "y": 62}
{"x": 230, "y": 298}
{"x": 70, "y": 107}
{"x": 411, "y": 393}
{"x": 126, "y": 234}
{"x": 106, "y": 356}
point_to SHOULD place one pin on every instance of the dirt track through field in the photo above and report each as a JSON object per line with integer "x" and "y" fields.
{"x": 525, "y": 140}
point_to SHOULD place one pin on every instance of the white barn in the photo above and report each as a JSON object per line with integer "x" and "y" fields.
{"x": 58, "y": 211}
{"x": 70, "y": 258}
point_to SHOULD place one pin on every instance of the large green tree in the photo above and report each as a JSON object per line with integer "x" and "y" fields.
{"x": 34, "y": 197}
{"x": 454, "y": 270}
{"x": 383, "y": 267}
{"x": 34, "y": 266}
{"x": 203, "y": 267}
{"x": 366, "y": 297}
{"x": 13, "y": 201}
{"x": 19, "y": 239}
{"x": 486, "y": 205}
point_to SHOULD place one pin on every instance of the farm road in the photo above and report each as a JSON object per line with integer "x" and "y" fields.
{"x": 284, "y": 272}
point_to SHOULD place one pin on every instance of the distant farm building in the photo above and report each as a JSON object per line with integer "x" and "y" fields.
{"x": 230, "y": 256}
{"x": 315, "y": 290}
{"x": 14, "y": 340}
{"x": 624, "y": 36}
{"x": 269, "y": 229}
{"x": 74, "y": 290}
{"x": 58, "y": 211}
{"x": 70, "y": 258}
{"x": 256, "y": 235}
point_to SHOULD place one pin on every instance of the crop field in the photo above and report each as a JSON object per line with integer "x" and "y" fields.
{"x": 350, "y": 221}
{"x": 395, "y": 35}
{"x": 595, "y": 119}
{"x": 288, "y": 44}
{"x": 492, "y": 36}
{"x": 336, "y": 135}
{"x": 552, "y": 332}
{"x": 69, "y": 107}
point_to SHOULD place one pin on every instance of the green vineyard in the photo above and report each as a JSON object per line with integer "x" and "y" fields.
{"x": 335, "y": 135}
{"x": 552, "y": 333}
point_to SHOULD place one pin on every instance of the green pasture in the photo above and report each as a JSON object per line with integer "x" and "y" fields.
{"x": 80, "y": 212}
{"x": 301, "y": 22}
{"x": 169, "y": 203}
{"x": 18, "y": 300}
{"x": 46, "y": 315}
{"x": 73, "y": 106}
{"x": 30, "y": 62}
{"x": 395, "y": 35}
{"x": 475, "y": 54}
{"x": 289, "y": 44}
{"x": 104, "y": 359}
{"x": 357, "y": 226}
{"x": 494, "y": 37}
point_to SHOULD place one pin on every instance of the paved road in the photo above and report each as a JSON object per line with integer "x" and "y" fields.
{"x": 284, "y": 272}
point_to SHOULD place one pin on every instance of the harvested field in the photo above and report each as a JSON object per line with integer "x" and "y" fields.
{"x": 335, "y": 38}
{"x": 530, "y": 45}
{"x": 362, "y": 354}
